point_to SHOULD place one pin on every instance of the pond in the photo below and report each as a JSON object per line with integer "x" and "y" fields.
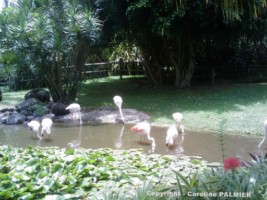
{"x": 119, "y": 136}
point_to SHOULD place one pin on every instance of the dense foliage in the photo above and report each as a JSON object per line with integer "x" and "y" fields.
{"x": 177, "y": 41}
{"x": 51, "y": 40}
{"x": 53, "y": 173}
{"x": 36, "y": 173}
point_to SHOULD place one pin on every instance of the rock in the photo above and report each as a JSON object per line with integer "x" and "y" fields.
{"x": 26, "y": 112}
{"x": 39, "y": 94}
{"x": 4, "y": 110}
{"x": 29, "y": 104}
{"x": 58, "y": 109}
{"x": 108, "y": 115}
{"x": 15, "y": 118}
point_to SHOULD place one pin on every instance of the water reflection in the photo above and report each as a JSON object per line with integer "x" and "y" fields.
{"x": 118, "y": 141}
{"x": 71, "y": 135}
{"x": 76, "y": 142}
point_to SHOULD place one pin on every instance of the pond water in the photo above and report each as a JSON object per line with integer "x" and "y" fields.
{"x": 119, "y": 136}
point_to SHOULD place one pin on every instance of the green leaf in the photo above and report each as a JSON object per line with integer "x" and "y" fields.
{"x": 69, "y": 151}
{"x": 196, "y": 162}
{"x": 109, "y": 158}
{"x": 70, "y": 158}
{"x": 26, "y": 196}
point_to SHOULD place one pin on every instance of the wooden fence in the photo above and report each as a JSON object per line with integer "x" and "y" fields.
{"x": 91, "y": 71}
{"x": 97, "y": 70}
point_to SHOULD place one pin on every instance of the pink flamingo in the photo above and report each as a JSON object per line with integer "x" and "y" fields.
{"x": 143, "y": 129}
{"x": 75, "y": 110}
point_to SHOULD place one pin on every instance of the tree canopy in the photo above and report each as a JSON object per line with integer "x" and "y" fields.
{"x": 52, "y": 39}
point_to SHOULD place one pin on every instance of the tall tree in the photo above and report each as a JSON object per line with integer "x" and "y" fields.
{"x": 172, "y": 33}
{"x": 54, "y": 38}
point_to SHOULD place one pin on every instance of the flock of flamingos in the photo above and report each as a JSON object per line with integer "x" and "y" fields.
{"x": 142, "y": 128}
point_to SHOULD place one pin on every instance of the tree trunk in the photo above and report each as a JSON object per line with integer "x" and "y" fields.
{"x": 182, "y": 57}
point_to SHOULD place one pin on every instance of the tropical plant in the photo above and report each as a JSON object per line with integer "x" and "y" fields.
{"x": 50, "y": 173}
{"x": 53, "y": 39}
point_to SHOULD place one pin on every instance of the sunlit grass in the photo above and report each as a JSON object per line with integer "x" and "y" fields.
{"x": 10, "y": 99}
{"x": 242, "y": 106}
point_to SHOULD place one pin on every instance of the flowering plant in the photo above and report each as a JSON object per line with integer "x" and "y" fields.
{"x": 231, "y": 163}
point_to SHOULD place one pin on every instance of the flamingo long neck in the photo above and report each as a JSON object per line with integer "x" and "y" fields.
{"x": 121, "y": 113}
{"x": 151, "y": 138}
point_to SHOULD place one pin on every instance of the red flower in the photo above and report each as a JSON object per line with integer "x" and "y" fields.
{"x": 231, "y": 163}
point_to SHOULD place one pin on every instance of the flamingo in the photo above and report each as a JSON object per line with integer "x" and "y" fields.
{"x": 265, "y": 134}
{"x": 34, "y": 127}
{"x": 75, "y": 110}
{"x": 178, "y": 117}
{"x": 46, "y": 126}
{"x": 143, "y": 129}
{"x": 118, "y": 102}
{"x": 172, "y": 136}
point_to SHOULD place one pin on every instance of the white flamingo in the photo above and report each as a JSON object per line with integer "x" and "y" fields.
{"x": 178, "y": 117}
{"x": 265, "y": 134}
{"x": 46, "y": 127}
{"x": 143, "y": 129}
{"x": 172, "y": 136}
{"x": 118, "y": 102}
{"x": 34, "y": 127}
{"x": 75, "y": 110}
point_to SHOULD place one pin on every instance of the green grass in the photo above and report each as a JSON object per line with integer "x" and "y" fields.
{"x": 241, "y": 107}
{"x": 10, "y": 99}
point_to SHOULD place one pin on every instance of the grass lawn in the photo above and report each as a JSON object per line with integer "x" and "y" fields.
{"x": 235, "y": 109}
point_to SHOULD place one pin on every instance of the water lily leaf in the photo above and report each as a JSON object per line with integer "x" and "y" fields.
{"x": 35, "y": 188}
{"x": 70, "y": 151}
{"x": 6, "y": 184}
{"x": 123, "y": 181}
{"x": 54, "y": 197}
{"x": 69, "y": 158}
{"x": 62, "y": 178}
{"x": 196, "y": 162}
{"x": 144, "y": 168}
{"x": 26, "y": 196}
{"x": 109, "y": 158}
{"x": 23, "y": 177}
{"x": 48, "y": 183}
{"x": 71, "y": 179}
{"x": 56, "y": 168}
{"x": 6, "y": 195}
